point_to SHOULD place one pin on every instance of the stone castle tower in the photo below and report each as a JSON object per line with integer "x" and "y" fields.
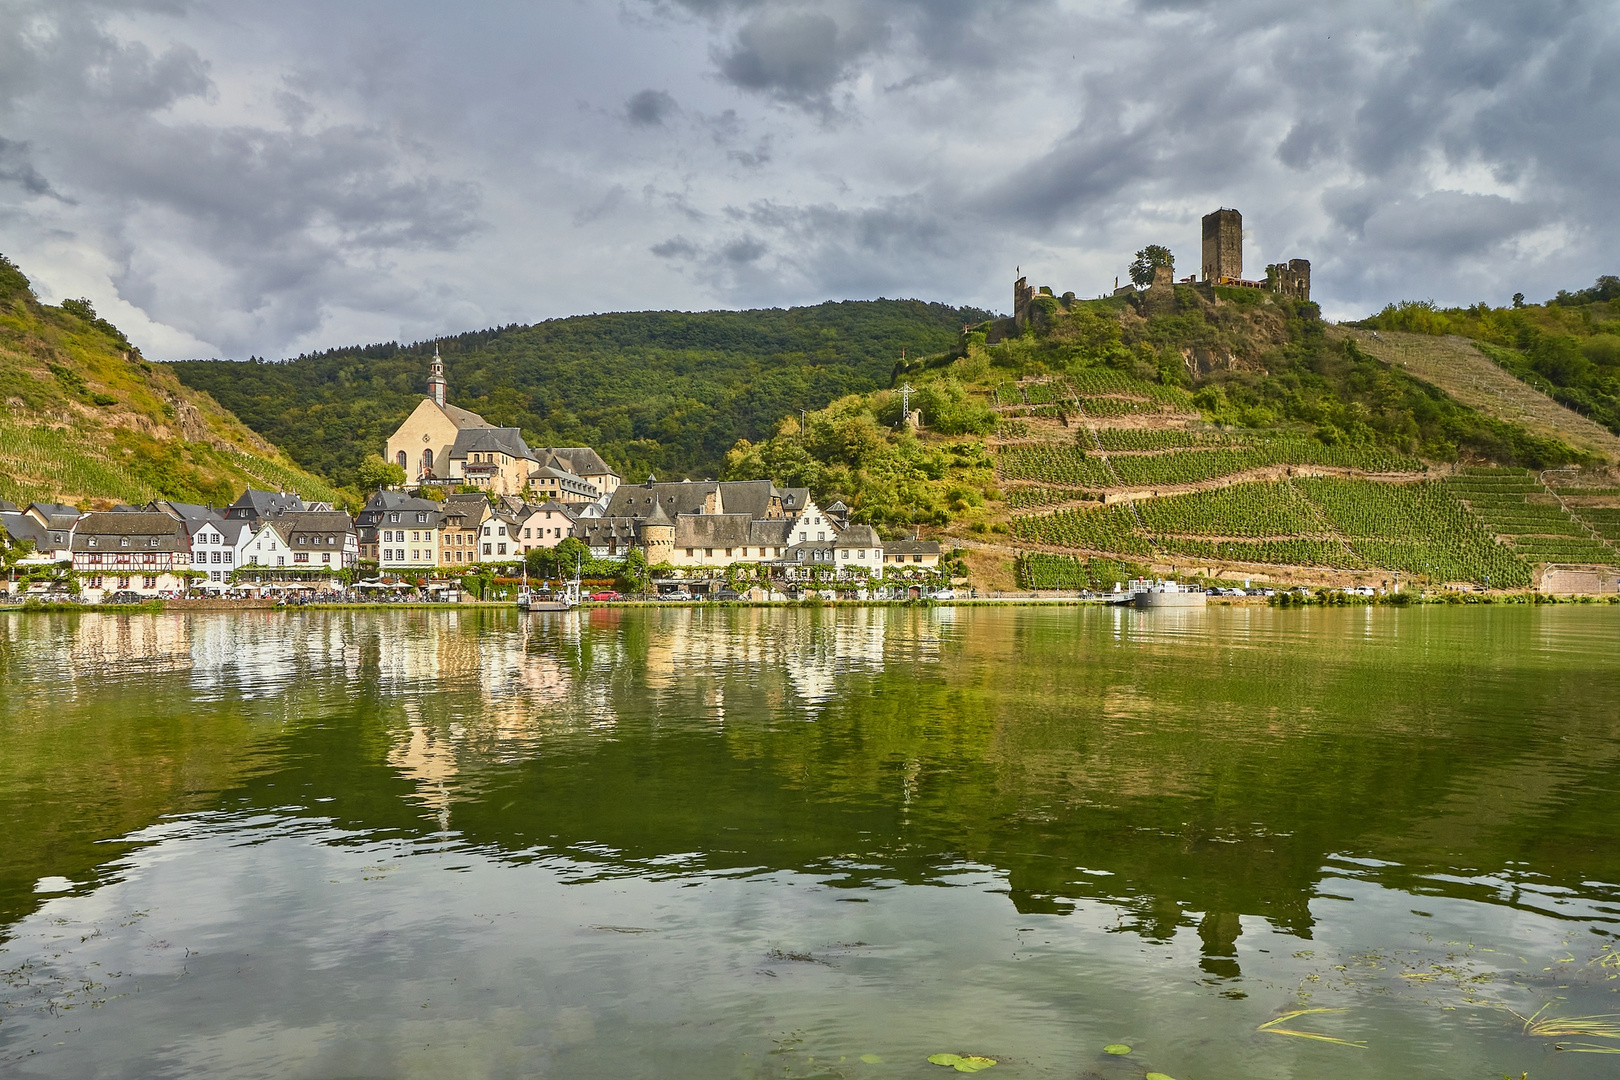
{"x": 657, "y": 535}
{"x": 1223, "y": 246}
{"x": 436, "y": 384}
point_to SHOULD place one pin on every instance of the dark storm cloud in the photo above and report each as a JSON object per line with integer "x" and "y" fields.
{"x": 251, "y": 175}
{"x": 649, "y": 108}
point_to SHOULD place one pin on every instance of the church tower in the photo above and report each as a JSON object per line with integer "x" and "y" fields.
{"x": 436, "y": 384}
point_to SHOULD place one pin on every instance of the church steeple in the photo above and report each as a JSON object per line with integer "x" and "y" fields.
{"x": 436, "y": 384}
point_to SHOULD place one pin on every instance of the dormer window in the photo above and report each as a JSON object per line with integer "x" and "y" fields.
{"x": 123, "y": 541}
{"x": 421, "y": 517}
{"x": 152, "y": 542}
{"x": 93, "y": 542}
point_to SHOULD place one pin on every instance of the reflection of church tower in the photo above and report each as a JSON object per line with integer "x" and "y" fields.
{"x": 436, "y": 384}
{"x": 658, "y": 535}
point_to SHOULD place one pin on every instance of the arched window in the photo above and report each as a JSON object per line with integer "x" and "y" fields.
{"x": 403, "y": 460}
{"x": 427, "y": 460}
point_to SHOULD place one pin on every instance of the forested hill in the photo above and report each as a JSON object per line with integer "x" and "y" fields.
{"x": 652, "y": 391}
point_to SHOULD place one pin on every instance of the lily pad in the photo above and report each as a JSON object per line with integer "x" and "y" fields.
{"x": 872, "y": 1059}
{"x": 965, "y": 1064}
{"x": 1117, "y": 1049}
{"x": 1158, "y": 1076}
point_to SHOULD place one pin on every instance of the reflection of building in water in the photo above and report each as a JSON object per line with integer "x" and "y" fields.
{"x": 693, "y": 649}
{"x": 110, "y": 646}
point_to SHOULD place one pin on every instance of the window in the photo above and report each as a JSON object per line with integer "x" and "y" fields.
{"x": 92, "y": 542}
{"x": 149, "y": 581}
{"x": 821, "y": 536}
{"x": 281, "y": 560}
{"x": 301, "y": 556}
{"x": 414, "y": 555}
{"x": 916, "y": 558}
{"x": 123, "y": 541}
{"x": 228, "y": 558}
{"x": 421, "y": 517}
{"x": 95, "y": 581}
{"x": 500, "y": 530}
{"x": 486, "y": 549}
{"x": 123, "y": 582}
{"x": 862, "y": 553}
{"x": 403, "y": 460}
{"x": 217, "y": 556}
{"x": 394, "y": 518}
{"x": 708, "y": 551}
{"x": 486, "y": 530}
{"x": 427, "y": 459}
{"x": 846, "y": 554}
{"x": 688, "y": 553}
{"x": 500, "y": 549}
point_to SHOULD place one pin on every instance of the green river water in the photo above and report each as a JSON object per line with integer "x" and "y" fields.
{"x": 811, "y": 843}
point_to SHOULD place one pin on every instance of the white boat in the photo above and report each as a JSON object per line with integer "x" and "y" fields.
{"x": 1169, "y": 594}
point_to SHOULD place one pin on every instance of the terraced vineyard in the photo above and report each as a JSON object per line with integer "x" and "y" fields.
{"x": 1418, "y": 528}
{"x": 1171, "y": 458}
{"x": 1037, "y": 570}
{"x": 1026, "y": 498}
{"x": 1514, "y": 504}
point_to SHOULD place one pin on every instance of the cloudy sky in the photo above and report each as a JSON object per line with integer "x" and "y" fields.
{"x": 232, "y": 178}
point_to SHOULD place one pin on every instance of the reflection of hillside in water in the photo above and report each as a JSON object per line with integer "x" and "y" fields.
{"x": 1189, "y": 769}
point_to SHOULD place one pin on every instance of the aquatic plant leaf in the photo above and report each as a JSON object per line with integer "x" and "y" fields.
{"x": 944, "y": 1059}
{"x": 1116, "y": 1049}
{"x": 1158, "y": 1076}
{"x": 973, "y": 1064}
{"x": 1587, "y": 1049}
{"x": 1275, "y": 1020}
{"x": 1317, "y": 1035}
{"x": 872, "y": 1059}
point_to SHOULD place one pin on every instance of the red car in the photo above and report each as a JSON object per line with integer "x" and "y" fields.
{"x": 608, "y": 595}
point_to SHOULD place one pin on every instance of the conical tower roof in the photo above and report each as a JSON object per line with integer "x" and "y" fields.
{"x": 657, "y": 517}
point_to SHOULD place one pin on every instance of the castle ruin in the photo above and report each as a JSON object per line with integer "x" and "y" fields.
{"x": 1223, "y": 247}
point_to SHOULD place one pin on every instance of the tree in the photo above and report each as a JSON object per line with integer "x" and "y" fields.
{"x": 1147, "y": 259}
{"x": 633, "y": 578}
{"x": 374, "y": 473}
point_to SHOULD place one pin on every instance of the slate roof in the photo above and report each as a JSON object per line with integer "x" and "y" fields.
{"x": 579, "y": 460}
{"x": 858, "y": 536}
{"x": 263, "y": 504}
{"x": 636, "y": 500}
{"x": 713, "y": 530}
{"x": 22, "y": 527}
{"x": 141, "y": 524}
{"x": 324, "y": 522}
{"x": 462, "y": 418}
{"x": 770, "y": 533}
{"x": 911, "y": 547}
{"x": 795, "y": 499}
{"x": 484, "y": 440}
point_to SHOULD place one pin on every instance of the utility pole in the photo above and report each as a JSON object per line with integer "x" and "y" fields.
{"x": 905, "y": 402}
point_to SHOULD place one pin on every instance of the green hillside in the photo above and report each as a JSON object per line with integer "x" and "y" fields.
{"x": 1568, "y": 348}
{"x": 88, "y": 421}
{"x": 1239, "y": 435}
{"x": 653, "y": 391}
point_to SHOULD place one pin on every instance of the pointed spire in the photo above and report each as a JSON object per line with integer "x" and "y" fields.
{"x": 437, "y": 387}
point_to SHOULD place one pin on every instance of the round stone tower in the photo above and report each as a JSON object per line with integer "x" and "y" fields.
{"x": 657, "y": 533}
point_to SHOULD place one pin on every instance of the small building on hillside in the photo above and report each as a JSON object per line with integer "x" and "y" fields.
{"x": 911, "y": 554}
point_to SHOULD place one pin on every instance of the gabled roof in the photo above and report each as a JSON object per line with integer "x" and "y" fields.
{"x": 317, "y": 521}
{"x": 462, "y": 418}
{"x": 579, "y": 460}
{"x": 751, "y": 497}
{"x": 139, "y": 523}
{"x": 194, "y": 515}
{"x": 712, "y": 530}
{"x": 260, "y": 504}
{"x": 911, "y": 547}
{"x": 774, "y": 533}
{"x": 23, "y": 527}
{"x": 502, "y": 440}
{"x": 795, "y": 499}
{"x": 636, "y": 500}
{"x": 858, "y": 536}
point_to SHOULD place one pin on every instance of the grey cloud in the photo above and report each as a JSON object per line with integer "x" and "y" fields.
{"x": 676, "y": 247}
{"x": 797, "y": 55}
{"x": 743, "y": 251}
{"x": 1449, "y": 223}
{"x": 16, "y": 168}
{"x": 649, "y": 108}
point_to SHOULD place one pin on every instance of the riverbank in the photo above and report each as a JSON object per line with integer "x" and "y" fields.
{"x": 1284, "y": 600}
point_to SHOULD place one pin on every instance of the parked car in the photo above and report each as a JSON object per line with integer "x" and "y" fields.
{"x": 605, "y": 595}
{"x": 944, "y": 594}
{"x": 725, "y": 594}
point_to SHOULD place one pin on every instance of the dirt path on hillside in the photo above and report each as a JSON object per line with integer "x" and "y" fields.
{"x": 1455, "y": 366}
